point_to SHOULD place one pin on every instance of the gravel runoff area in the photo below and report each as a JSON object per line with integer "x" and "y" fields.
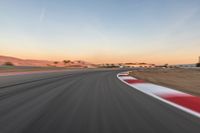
{"x": 186, "y": 80}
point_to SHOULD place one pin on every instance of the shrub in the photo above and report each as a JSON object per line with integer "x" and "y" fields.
{"x": 166, "y": 65}
{"x": 55, "y": 62}
{"x": 8, "y": 64}
{"x": 66, "y": 61}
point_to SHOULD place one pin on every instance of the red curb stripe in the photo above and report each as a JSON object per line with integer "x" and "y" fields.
{"x": 133, "y": 81}
{"x": 190, "y": 102}
{"x": 180, "y": 100}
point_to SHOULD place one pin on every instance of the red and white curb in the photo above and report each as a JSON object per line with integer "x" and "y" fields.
{"x": 178, "y": 99}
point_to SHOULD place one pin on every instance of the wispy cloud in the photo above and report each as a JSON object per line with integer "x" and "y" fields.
{"x": 184, "y": 19}
{"x": 42, "y": 14}
{"x": 175, "y": 31}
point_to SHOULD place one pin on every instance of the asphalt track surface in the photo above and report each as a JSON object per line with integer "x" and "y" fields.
{"x": 85, "y": 101}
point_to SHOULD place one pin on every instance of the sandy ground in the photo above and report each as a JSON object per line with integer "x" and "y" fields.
{"x": 186, "y": 80}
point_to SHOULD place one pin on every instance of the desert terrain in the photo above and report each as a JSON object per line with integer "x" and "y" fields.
{"x": 186, "y": 80}
{"x": 8, "y": 63}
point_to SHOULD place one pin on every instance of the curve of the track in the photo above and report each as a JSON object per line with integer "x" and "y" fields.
{"x": 85, "y": 102}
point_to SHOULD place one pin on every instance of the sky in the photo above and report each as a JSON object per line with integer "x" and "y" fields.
{"x": 101, "y": 31}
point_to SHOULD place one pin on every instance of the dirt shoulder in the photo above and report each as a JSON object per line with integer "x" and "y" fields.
{"x": 10, "y": 69}
{"x": 186, "y": 80}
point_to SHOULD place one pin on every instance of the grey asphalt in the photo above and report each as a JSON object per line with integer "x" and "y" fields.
{"x": 84, "y": 101}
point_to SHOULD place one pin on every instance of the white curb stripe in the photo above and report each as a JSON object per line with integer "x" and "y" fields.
{"x": 127, "y": 78}
{"x": 157, "y": 91}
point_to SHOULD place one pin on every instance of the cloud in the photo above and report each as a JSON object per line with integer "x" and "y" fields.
{"x": 42, "y": 14}
{"x": 184, "y": 19}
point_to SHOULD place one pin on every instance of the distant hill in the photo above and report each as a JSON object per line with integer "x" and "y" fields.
{"x": 43, "y": 63}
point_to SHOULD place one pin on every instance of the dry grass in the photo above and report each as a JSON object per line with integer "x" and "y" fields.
{"x": 186, "y": 80}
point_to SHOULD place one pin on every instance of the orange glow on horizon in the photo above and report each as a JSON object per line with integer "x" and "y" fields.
{"x": 108, "y": 59}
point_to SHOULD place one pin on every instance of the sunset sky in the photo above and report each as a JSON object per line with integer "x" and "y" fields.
{"x": 101, "y": 31}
